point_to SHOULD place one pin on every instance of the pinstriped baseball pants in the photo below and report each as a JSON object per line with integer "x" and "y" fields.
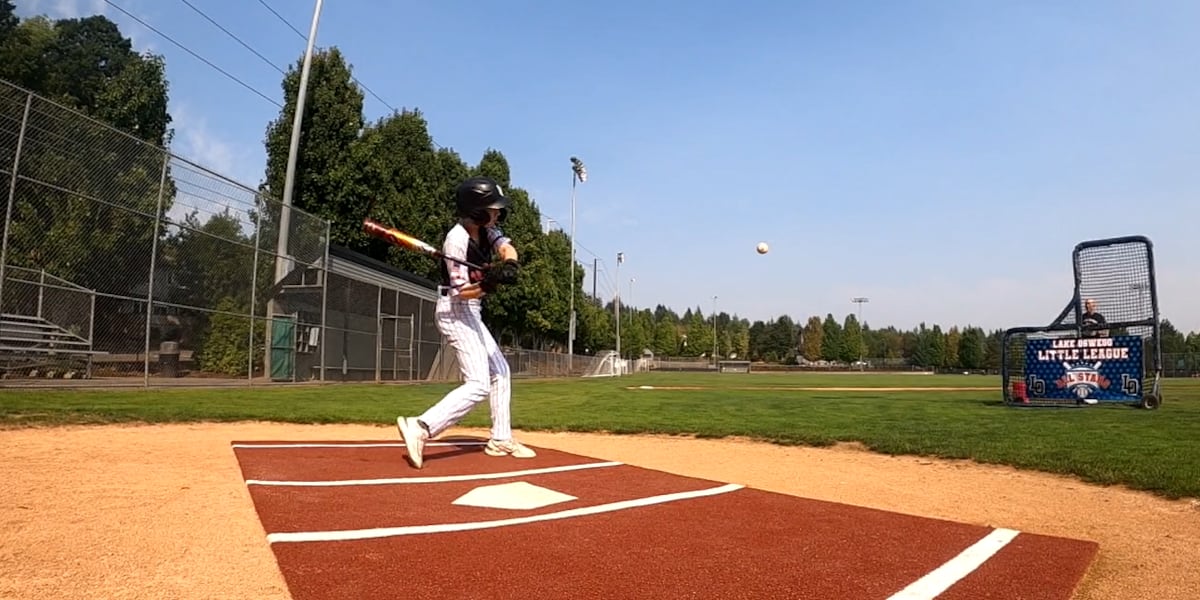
{"x": 484, "y": 369}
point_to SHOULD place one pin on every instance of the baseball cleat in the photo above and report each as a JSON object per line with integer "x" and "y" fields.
{"x": 414, "y": 437}
{"x": 508, "y": 448}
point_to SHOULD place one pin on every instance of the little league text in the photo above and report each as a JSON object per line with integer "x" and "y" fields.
{"x": 1083, "y": 349}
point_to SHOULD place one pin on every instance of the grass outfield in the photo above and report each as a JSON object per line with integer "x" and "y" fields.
{"x": 1157, "y": 451}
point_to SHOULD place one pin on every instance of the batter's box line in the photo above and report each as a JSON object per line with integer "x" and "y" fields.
{"x": 381, "y": 532}
{"x": 434, "y": 479}
{"x": 942, "y": 578}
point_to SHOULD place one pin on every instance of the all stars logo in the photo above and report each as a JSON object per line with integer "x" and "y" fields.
{"x": 1083, "y": 379}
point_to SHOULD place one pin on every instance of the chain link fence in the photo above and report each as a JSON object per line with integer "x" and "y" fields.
{"x": 123, "y": 264}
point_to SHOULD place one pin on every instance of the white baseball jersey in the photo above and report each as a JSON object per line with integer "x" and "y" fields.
{"x": 458, "y": 245}
{"x": 484, "y": 369}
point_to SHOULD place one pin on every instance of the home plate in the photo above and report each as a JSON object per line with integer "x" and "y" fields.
{"x": 513, "y": 496}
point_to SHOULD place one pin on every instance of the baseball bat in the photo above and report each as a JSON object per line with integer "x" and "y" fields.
{"x": 396, "y": 237}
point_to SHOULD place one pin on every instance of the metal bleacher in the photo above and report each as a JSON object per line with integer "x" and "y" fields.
{"x": 46, "y": 327}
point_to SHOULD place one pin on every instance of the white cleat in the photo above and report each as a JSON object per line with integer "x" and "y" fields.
{"x": 511, "y": 448}
{"x": 414, "y": 437}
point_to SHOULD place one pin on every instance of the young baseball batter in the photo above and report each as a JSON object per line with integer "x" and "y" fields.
{"x": 476, "y": 238}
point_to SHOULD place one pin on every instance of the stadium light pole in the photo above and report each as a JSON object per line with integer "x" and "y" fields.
{"x": 282, "y": 262}
{"x": 617, "y": 304}
{"x": 578, "y": 174}
{"x": 860, "y": 301}
{"x": 714, "y": 332}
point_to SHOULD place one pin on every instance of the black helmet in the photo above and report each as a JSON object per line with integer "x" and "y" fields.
{"x": 477, "y": 194}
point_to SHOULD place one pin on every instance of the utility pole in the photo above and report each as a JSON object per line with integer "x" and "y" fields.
{"x": 595, "y": 262}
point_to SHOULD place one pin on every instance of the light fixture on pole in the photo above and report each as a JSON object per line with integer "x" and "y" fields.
{"x": 578, "y": 174}
{"x": 282, "y": 257}
{"x": 860, "y": 301}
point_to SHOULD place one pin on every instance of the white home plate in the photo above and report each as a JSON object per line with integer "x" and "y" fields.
{"x": 514, "y": 496}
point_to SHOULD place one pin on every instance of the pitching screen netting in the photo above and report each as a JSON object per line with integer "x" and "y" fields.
{"x": 1118, "y": 277}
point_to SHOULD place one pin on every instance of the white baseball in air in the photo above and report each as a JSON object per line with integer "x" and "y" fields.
{"x": 762, "y": 248}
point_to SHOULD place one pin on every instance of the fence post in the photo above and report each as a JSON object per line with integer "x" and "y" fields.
{"x": 41, "y": 292}
{"x": 12, "y": 192}
{"x": 325, "y": 296}
{"x": 158, "y": 217}
{"x": 91, "y": 334}
{"x": 254, "y": 300}
{"x": 378, "y": 334}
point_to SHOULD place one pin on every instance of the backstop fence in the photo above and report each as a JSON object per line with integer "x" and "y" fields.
{"x": 124, "y": 264}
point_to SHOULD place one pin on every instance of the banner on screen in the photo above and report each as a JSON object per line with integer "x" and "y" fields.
{"x": 1095, "y": 368}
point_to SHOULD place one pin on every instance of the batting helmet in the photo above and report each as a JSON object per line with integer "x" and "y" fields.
{"x": 477, "y": 194}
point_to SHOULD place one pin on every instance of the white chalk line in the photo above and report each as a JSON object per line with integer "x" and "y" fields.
{"x": 438, "y": 479}
{"x": 380, "y": 532}
{"x": 354, "y": 445}
{"x": 941, "y": 578}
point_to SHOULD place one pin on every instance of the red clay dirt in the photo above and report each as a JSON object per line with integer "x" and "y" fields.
{"x": 744, "y": 543}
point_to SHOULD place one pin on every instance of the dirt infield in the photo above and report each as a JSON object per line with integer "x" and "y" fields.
{"x": 164, "y": 512}
{"x": 784, "y": 388}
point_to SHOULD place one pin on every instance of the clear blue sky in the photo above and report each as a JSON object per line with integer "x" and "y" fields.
{"x": 940, "y": 158}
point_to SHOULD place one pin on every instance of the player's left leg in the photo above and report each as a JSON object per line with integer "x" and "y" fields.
{"x": 500, "y": 397}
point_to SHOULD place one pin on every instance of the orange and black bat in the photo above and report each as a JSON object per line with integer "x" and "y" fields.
{"x": 396, "y": 237}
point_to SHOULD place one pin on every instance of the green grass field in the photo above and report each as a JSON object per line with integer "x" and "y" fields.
{"x": 1157, "y": 451}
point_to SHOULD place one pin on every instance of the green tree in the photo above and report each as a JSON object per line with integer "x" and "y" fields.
{"x": 666, "y": 338}
{"x": 1172, "y": 341}
{"x": 950, "y": 353}
{"x": 595, "y": 324}
{"x": 699, "y": 334}
{"x": 494, "y": 165}
{"x": 831, "y": 339}
{"x": 411, "y": 185}
{"x": 853, "y": 347}
{"x": 326, "y": 168}
{"x": 757, "y": 334}
{"x": 813, "y": 338}
{"x": 1193, "y": 342}
{"x": 783, "y": 335}
{"x": 225, "y": 347}
{"x": 993, "y": 343}
{"x": 210, "y": 262}
{"x": 970, "y": 348}
{"x": 8, "y": 19}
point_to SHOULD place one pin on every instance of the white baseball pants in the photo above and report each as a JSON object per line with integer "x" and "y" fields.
{"x": 485, "y": 371}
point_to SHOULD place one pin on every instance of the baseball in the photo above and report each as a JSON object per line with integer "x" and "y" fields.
{"x": 762, "y": 248}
